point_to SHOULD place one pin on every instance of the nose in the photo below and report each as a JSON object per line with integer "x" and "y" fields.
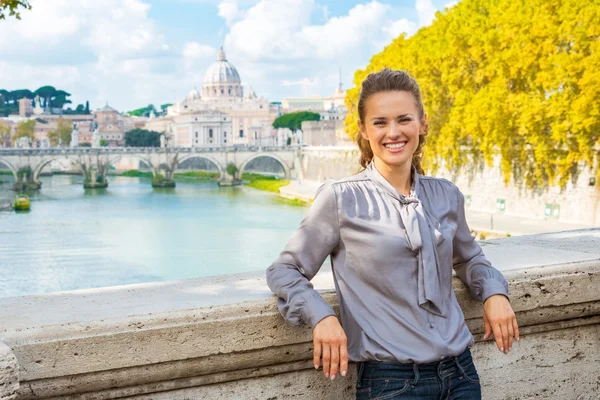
{"x": 395, "y": 130}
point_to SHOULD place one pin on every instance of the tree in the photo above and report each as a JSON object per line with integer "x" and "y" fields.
{"x": 25, "y": 129}
{"x": 46, "y": 93}
{"x": 293, "y": 121}
{"x": 62, "y": 133}
{"x": 232, "y": 170}
{"x": 60, "y": 99}
{"x": 103, "y": 143}
{"x": 142, "y": 138}
{"x": 5, "y": 131}
{"x": 87, "y": 107}
{"x": 12, "y": 8}
{"x": 508, "y": 80}
{"x": 164, "y": 107}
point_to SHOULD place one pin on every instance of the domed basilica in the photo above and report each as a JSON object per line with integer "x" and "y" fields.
{"x": 221, "y": 114}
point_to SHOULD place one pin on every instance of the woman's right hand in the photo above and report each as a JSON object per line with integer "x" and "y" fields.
{"x": 330, "y": 344}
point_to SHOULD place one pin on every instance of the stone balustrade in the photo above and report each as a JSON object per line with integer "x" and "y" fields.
{"x": 223, "y": 338}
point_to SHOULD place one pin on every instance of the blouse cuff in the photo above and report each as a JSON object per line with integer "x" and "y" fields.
{"x": 492, "y": 287}
{"x": 315, "y": 309}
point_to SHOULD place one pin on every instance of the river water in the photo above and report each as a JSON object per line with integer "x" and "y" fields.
{"x": 131, "y": 233}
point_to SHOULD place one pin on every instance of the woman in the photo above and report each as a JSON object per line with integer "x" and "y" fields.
{"x": 394, "y": 236}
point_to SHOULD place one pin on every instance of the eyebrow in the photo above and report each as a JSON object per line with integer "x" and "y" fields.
{"x": 384, "y": 118}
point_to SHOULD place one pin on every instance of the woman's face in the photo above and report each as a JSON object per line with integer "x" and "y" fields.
{"x": 392, "y": 126}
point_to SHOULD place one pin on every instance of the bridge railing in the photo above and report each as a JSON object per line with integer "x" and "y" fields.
{"x": 136, "y": 150}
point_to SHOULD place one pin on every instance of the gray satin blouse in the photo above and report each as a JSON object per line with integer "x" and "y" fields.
{"x": 392, "y": 258}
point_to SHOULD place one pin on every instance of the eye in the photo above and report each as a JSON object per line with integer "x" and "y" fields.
{"x": 379, "y": 123}
{"x": 405, "y": 120}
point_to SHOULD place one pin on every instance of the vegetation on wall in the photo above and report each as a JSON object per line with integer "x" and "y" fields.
{"x": 293, "y": 121}
{"x": 506, "y": 78}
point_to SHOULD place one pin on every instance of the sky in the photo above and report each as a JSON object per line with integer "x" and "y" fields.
{"x": 131, "y": 53}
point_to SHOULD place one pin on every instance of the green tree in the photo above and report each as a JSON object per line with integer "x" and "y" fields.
{"x": 62, "y": 133}
{"x": 142, "y": 138}
{"x": 87, "y": 107}
{"x": 506, "y": 79}
{"x": 232, "y": 170}
{"x": 25, "y": 129}
{"x": 103, "y": 143}
{"x": 293, "y": 121}
{"x": 46, "y": 93}
{"x": 11, "y": 7}
{"x": 143, "y": 112}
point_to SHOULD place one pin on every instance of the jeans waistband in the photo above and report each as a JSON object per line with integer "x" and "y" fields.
{"x": 377, "y": 370}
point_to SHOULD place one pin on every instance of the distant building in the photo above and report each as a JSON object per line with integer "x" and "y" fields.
{"x": 112, "y": 125}
{"x": 324, "y": 133}
{"x": 25, "y": 107}
{"x": 220, "y": 114}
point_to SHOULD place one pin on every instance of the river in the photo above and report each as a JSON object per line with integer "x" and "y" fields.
{"x": 131, "y": 233}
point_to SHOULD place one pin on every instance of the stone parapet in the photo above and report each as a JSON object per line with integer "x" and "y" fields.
{"x": 223, "y": 337}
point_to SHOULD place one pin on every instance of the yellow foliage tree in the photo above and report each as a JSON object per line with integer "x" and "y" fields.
{"x": 5, "y": 131}
{"x": 518, "y": 80}
{"x": 62, "y": 133}
{"x": 24, "y": 129}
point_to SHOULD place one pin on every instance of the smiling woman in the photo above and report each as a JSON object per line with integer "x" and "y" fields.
{"x": 394, "y": 237}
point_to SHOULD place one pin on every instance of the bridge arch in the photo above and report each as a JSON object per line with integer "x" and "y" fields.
{"x": 37, "y": 170}
{"x": 10, "y": 167}
{"x": 145, "y": 160}
{"x": 220, "y": 168}
{"x": 286, "y": 169}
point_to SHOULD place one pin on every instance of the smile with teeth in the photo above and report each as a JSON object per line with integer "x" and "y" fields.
{"x": 394, "y": 146}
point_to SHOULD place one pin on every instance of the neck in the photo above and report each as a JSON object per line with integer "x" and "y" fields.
{"x": 399, "y": 176}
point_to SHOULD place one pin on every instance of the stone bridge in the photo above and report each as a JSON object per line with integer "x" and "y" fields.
{"x": 27, "y": 164}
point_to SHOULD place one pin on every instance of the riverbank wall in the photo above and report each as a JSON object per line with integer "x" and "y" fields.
{"x": 223, "y": 337}
{"x": 484, "y": 191}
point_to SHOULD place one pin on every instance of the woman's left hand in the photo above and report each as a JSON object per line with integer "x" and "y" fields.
{"x": 499, "y": 318}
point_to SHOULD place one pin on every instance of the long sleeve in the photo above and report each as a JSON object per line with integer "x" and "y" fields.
{"x": 469, "y": 262}
{"x": 289, "y": 276}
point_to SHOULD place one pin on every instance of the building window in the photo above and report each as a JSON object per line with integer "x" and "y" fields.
{"x": 210, "y": 134}
{"x": 222, "y": 91}
{"x": 229, "y": 91}
{"x": 255, "y": 135}
{"x": 196, "y": 134}
{"x": 196, "y": 118}
{"x": 592, "y": 182}
{"x": 468, "y": 200}
{"x": 500, "y": 205}
{"x": 214, "y": 91}
{"x": 241, "y": 133}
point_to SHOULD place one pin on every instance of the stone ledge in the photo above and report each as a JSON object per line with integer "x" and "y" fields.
{"x": 225, "y": 347}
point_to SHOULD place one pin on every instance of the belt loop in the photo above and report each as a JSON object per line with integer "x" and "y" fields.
{"x": 416, "y": 372}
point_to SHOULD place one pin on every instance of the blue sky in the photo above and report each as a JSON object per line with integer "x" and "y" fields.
{"x": 135, "y": 52}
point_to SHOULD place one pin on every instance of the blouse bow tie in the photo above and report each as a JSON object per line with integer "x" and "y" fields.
{"x": 420, "y": 234}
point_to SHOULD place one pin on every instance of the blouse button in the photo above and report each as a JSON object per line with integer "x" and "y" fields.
{"x": 431, "y": 326}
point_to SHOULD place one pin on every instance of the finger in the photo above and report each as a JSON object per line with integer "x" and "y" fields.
{"x": 326, "y": 359}
{"x": 515, "y": 328}
{"x": 511, "y": 333}
{"x": 317, "y": 353}
{"x": 498, "y": 336}
{"x": 487, "y": 327}
{"x": 335, "y": 360}
{"x": 344, "y": 358}
{"x": 504, "y": 330}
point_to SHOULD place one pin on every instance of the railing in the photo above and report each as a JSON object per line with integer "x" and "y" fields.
{"x": 145, "y": 150}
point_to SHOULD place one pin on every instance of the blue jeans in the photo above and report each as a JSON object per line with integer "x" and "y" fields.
{"x": 453, "y": 378}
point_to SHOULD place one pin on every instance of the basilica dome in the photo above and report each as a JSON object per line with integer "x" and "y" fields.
{"x": 221, "y": 71}
{"x": 222, "y": 81}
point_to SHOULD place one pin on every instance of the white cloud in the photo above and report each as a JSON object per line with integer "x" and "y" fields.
{"x": 426, "y": 11}
{"x": 450, "y": 5}
{"x": 230, "y": 11}
{"x": 401, "y": 26}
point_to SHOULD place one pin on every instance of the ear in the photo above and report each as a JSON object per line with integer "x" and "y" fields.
{"x": 423, "y": 123}
{"x": 362, "y": 130}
